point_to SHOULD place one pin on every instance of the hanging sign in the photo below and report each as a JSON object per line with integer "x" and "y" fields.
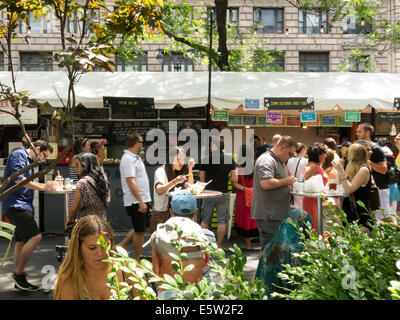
{"x": 352, "y": 116}
{"x": 341, "y": 122}
{"x": 220, "y": 115}
{"x": 308, "y": 116}
{"x": 274, "y": 117}
{"x": 293, "y": 121}
{"x": 389, "y": 117}
{"x": 235, "y": 120}
{"x": 298, "y": 103}
{"x": 252, "y": 104}
{"x": 328, "y": 121}
{"x": 249, "y": 120}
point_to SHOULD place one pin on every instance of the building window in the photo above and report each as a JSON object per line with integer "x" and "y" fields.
{"x": 268, "y": 20}
{"x": 36, "y": 61}
{"x": 314, "y": 61}
{"x": 39, "y": 26}
{"x": 267, "y": 61}
{"x": 355, "y": 26}
{"x": 313, "y": 22}
{"x": 175, "y": 61}
{"x": 75, "y": 24}
{"x": 232, "y": 16}
{"x": 124, "y": 64}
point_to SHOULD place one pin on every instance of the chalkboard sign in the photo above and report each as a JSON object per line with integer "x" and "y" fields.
{"x": 131, "y": 108}
{"x": 178, "y": 112}
{"x": 92, "y": 128}
{"x": 389, "y": 116}
{"x": 120, "y": 129}
{"x": 91, "y": 113}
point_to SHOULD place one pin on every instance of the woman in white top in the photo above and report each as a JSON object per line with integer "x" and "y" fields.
{"x": 166, "y": 178}
{"x": 296, "y": 167}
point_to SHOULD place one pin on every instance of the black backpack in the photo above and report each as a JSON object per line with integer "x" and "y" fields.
{"x": 393, "y": 172}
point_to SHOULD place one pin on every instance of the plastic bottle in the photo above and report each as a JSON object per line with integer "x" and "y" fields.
{"x": 67, "y": 184}
{"x": 60, "y": 181}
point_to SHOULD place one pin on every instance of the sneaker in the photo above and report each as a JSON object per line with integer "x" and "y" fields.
{"x": 22, "y": 284}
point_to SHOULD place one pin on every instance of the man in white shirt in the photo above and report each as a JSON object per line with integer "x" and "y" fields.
{"x": 136, "y": 191}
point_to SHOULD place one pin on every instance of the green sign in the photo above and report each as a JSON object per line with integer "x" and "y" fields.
{"x": 342, "y": 123}
{"x": 235, "y": 120}
{"x": 352, "y": 116}
{"x": 220, "y": 115}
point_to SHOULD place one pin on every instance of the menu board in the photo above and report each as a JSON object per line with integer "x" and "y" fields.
{"x": 179, "y": 112}
{"x": 131, "y": 108}
{"x": 388, "y": 116}
{"x": 249, "y": 120}
{"x": 235, "y": 120}
{"x": 328, "y": 121}
{"x": 92, "y": 128}
{"x": 91, "y": 113}
{"x": 120, "y": 129}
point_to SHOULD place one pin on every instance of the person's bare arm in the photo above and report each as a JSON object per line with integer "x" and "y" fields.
{"x": 360, "y": 179}
{"x": 202, "y": 176}
{"x": 74, "y": 206}
{"x": 380, "y": 167}
{"x": 233, "y": 176}
{"x": 309, "y": 172}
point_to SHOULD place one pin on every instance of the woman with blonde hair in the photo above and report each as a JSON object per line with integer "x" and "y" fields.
{"x": 356, "y": 182}
{"x": 83, "y": 274}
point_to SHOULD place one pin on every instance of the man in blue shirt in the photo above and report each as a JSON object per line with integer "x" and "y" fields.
{"x": 18, "y": 207}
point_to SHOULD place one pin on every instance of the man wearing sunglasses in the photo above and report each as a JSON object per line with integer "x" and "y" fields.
{"x": 271, "y": 188}
{"x": 19, "y": 209}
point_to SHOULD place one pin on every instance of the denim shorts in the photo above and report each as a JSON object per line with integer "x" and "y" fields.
{"x": 267, "y": 229}
{"x": 221, "y": 204}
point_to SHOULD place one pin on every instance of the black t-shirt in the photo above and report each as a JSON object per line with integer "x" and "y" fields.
{"x": 378, "y": 155}
{"x": 218, "y": 173}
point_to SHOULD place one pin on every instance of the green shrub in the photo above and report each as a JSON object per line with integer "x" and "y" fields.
{"x": 348, "y": 264}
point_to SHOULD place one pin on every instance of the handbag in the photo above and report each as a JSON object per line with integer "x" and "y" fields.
{"x": 248, "y": 194}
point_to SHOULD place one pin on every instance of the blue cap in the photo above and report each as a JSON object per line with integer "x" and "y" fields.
{"x": 345, "y": 144}
{"x": 183, "y": 204}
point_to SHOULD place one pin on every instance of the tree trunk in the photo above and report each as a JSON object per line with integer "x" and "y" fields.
{"x": 221, "y": 7}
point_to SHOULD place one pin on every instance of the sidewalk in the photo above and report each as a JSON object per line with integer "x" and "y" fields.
{"x": 44, "y": 261}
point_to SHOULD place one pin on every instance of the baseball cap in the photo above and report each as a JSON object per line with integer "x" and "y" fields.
{"x": 166, "y": 233}
{"x": 345, "y": 144}
{"x": 183, "y": 204}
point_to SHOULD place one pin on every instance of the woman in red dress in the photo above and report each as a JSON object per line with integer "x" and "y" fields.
{"x": 317, "y": 153}
{"x": 245, "y": 226}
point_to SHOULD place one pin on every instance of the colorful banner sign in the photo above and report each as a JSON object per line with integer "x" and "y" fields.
{"x": 235, "y": 120}
{"x": 352, "y": 116}
{"x": 220, "y": 115}
{"x": 252, "y": 104}
{"x": 328, "y": 121}
{"x": 293, "y": 121}
{"x": 308, "y": 116}
{"x": 274, "y": 117}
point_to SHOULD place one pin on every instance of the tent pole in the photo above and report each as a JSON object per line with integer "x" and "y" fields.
{"x": 209, "y": 72}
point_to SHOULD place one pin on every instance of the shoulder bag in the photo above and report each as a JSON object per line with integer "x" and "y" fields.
{"x": 248, "y": 194}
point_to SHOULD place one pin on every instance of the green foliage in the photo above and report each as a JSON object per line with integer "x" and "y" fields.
{"x": 358, "y": 61}
{"x": 232, "y": 285}
{"x": 395, "y": 285}
{"x": 348, "y": 264}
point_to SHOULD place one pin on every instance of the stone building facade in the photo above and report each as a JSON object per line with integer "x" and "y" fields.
{"x": 303, "y": 37}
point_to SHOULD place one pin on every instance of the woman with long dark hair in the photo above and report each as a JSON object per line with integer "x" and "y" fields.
{"x": 92, "y": 194}
{"x": 175, "y": 173}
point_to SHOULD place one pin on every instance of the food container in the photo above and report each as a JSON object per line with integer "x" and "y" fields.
{"x": 60, "y": 181}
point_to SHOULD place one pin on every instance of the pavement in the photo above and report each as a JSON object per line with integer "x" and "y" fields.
{"x": 43, "y": 265}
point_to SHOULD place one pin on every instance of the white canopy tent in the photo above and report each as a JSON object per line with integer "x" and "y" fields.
{"x": 350, "y": 91}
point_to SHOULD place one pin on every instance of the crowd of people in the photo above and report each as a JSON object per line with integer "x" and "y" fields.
{"x": 263, "y": 203}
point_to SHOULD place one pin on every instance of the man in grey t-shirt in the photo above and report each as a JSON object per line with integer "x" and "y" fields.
{"x": 271, "y": 188}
